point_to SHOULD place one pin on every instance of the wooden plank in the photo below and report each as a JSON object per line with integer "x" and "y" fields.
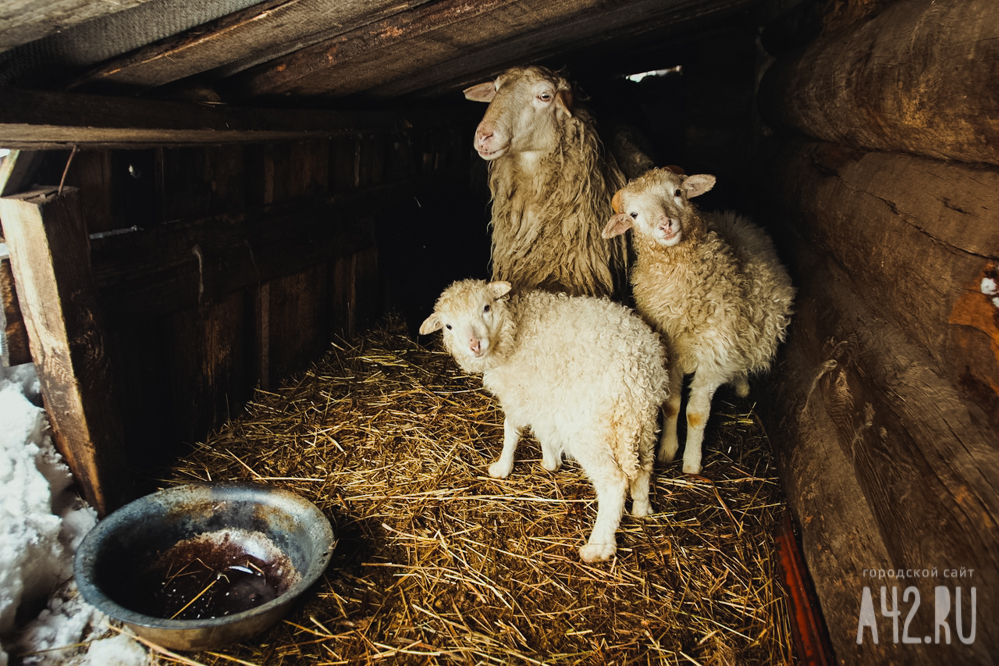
{"x": 14, "y": 346}
{"x": 920, "y": 234}
{"x": 442, "y": 44}
{"x": 284, "y": 75}
{"x": 23, "y": 21}
{"x": 854, "y": 390}
{"x": 258, "y": 34}
{"x": 174, "y": 266}
{"x": 17, "y": 171}
{"x": 41, "y": 120}
{"x": 48, "y": 244}
{"x": 891, "y": 84}
{"x": 475, "y": 56}
{"x": 298, "y": 329}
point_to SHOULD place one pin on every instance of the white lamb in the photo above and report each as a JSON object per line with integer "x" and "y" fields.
{"x": 585, "y": 374}
{"x": 711, "y": 284}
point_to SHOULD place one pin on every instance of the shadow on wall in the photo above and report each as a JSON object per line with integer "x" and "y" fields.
{"x": 439, "y": 236}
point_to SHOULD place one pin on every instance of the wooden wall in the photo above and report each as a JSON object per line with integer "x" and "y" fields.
{"x": 218, "y": 269}
{"x": 882, "y": 187}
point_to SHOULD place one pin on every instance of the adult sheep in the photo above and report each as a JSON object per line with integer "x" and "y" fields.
{"x": 551, "y": 183}
{"x": 711, "y": 284}
{"x": 587, "y": 375}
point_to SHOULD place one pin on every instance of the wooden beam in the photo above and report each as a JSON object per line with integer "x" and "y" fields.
{"x": 42, "y": 120}
{"x": 17, "y": 171}
{"x": 920, "y": 77}
{"x": 23, "y": 21}
{"x": 243, "y": 39}
{"x": 50, "y": 257}
{"x": 587, "y": 34}
{"x": 442, "y": 42}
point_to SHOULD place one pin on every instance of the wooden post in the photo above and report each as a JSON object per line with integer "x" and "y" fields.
{"x": 50, "y": 256}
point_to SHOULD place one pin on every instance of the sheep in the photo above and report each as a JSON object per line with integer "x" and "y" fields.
{"x": 711, "y": 284}
{"x": 586, "y": 374}
{"x": 551, "y": 183}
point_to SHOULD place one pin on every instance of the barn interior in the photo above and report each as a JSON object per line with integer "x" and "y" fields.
{"x": 201, "y": 197}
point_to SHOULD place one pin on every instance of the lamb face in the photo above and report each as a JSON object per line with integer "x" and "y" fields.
{"x": 657, "y": 205}
{"x": 471, "y": 316}
{"x": 525, "y": 105}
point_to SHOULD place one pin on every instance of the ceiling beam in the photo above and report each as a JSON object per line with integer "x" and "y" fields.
{"x": 240, "y": 40}
{"x": 43, "y": 120}
{"x": 23, "y": 21}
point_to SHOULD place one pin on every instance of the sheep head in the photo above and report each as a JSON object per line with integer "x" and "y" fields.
{"x": 657, "y": 206}
{"x": 472, "y": 315}
{"x": 525, "y": 106}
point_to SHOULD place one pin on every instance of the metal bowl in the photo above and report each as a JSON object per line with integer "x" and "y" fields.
{"x": 244, "y": 552}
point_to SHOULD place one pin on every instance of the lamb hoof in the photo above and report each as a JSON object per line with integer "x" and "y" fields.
{"x": 665, "y": 456}
{"x": 597, "y": 552}
{"x": 641, "y": 509}
{"x": 691, "y": 469}
{"x": 550, "y": 466}
{"x": 500, "y": 469}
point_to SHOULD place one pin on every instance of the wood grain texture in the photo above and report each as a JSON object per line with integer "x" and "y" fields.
{"x": 919, "y": 77}
{"x": 444, "y": 43}
{"x": 918, "y": 233}
{"x": 885, "y": 467}
{"x": 50, "y": 258}
{"x": 14, "y": 347}
{"x": 39, "y": 120}
{"x": 260, "y": 33}
{"x": 155, "y": 271}
{"x": 23, "y": 21}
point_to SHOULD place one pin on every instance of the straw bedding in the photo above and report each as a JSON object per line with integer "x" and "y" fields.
{"x": 439, "y": 563}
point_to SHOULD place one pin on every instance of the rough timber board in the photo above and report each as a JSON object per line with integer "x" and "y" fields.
{"x": 257, "y": 34}
{"x": 434, "y": 43}
{"x": 23, "y": 21}
{"x": 50, "y": 258}
{"x": 32, "y": 119}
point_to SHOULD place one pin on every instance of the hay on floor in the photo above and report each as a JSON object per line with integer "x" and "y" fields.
{"x": 438, "y": 563}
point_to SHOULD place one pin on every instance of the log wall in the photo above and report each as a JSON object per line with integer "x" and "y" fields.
{"x": 882, "y": 190}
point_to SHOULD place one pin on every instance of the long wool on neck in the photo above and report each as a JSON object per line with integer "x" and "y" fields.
{"x": 548, "y": 214}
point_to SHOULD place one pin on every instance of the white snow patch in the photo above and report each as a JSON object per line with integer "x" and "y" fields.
{"x": 43, "y": 618}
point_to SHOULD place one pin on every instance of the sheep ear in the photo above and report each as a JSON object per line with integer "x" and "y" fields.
{"x": 698, "y": 184}
{"x": 563, "y": 99}
{"x": 675, "y": 169}
{"x": 616, "y": 202}
{"x": 617, "y": 225}
{"x": 483, "y": 92}
{"x": 431, "y": 324}
{"x": 499, "y": 288}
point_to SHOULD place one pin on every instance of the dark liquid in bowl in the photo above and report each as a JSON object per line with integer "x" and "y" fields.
{"x": 205, "y": 578}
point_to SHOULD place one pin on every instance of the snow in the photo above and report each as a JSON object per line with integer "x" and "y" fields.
{"x": 43, "y": 619}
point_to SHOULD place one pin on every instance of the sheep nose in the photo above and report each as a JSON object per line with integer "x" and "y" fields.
{"x": 483, "y": 136}
{"x": 474, "y": 345}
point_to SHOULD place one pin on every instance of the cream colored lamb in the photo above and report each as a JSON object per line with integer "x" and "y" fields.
{"x": 711, "y": 284}
{"x": 585, "y": 374}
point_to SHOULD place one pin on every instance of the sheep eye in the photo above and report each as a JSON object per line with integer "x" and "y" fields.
{"x": 634, "y": 216}
{"x": 487, "y": 308}
{"x": 545, "y": 96}
{"x": 678, "y": 193}
{"x": 447, "y": 326}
